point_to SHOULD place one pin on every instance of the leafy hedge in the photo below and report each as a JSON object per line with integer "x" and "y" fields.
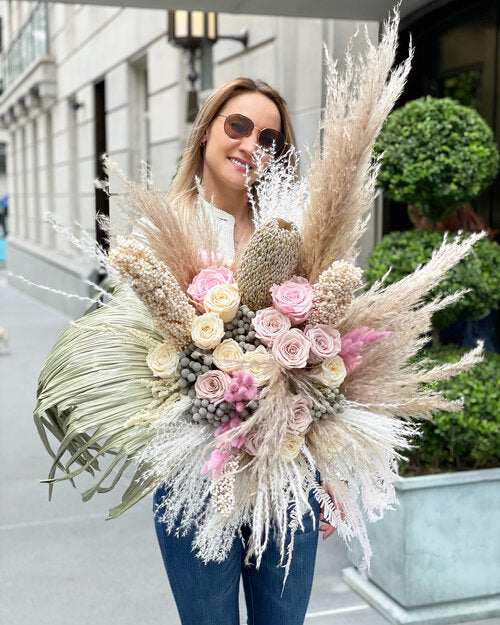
{"x": 469, "y": 439}
{"x": 437, "y": 154}
{"x": 479, "y": 272}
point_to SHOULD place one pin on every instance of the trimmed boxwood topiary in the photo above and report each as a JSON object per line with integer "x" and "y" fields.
{"x": 479, "y": 272}
{"x": 438, "y": 154}
{"x": 465, "y": 440}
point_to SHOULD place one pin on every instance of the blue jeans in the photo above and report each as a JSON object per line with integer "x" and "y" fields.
{"x": 207, "y": 594}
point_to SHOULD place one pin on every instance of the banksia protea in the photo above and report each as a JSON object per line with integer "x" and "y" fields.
{"x": 270, "y": 257}
{"x": 333, "y": 292}
{"x": 157, "y": 288}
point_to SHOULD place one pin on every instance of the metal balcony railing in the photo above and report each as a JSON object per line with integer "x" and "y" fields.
{"x": 31, "y": 43}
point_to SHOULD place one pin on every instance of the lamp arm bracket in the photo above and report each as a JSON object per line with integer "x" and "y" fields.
{"x": 242, "y": 37}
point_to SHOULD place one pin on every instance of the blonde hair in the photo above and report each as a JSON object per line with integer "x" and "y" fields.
{"x": 183, "y": 191}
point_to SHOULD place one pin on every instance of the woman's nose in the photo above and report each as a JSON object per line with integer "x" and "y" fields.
{"x": 249, "y": 144}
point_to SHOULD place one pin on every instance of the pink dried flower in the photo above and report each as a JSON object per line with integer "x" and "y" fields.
{"x": 301, "y": 419}
{"x": 241, "y": 388}
{"x": 220, "y": 456}
{"x": 216, "y": 462}
{"x": 205, "y": 280}
{"x": 212, "y": 385}
{"x": 294, "y": 298}
{"x": 291, "y": 349}
{"x": 353, "y": 342}
{"x": 325, "y": 342}
{"x": 270, "y": 323}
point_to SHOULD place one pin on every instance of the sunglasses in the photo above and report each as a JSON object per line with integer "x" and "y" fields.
{"x": 238, "y": 126}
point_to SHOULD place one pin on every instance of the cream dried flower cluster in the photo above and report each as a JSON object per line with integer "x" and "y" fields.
{"x": 334, "y": 291}
{"x": 222, "y": 488}
{"x": 158, "y": 289}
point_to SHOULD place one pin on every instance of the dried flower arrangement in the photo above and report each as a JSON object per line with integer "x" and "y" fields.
{"x": 233, "y": 386}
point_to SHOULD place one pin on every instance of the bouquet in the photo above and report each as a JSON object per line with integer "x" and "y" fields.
{"x": 234, "y": 384}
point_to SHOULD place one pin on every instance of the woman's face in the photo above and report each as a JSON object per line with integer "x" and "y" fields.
{"x": 226, "y": 160}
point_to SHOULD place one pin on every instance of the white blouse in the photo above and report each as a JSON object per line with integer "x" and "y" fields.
{"x": 224, "y": 224}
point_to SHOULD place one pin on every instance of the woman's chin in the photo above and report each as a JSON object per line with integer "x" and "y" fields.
{"x": 240, "y": 183}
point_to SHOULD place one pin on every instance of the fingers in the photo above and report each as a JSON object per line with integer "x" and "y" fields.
{"x": 327, "y": 530}
{"x": 334, "y": 499}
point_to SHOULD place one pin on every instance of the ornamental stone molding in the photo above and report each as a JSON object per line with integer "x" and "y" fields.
{"x": 19, "y": 110}
{"x": 35, "y": 89}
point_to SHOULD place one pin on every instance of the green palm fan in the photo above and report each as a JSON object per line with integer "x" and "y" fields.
{"x": 94, "y": 380}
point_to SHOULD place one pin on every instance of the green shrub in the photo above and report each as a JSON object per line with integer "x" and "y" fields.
{"x": 437, "y": 154}
{"x": 465, "y": 440}
{"x": 479, "y": 272}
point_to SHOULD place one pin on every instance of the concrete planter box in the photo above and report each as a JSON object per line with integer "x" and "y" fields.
{"x": 436, "y": 559}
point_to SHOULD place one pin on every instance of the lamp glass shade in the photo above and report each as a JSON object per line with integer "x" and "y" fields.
{"x": 211, "y": 33}
{"x": 180, "y": 25}
{"x": 197, "y": 24}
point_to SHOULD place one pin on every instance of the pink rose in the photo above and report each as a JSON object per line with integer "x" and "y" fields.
{"x": 212, "y": 385}
{"x": 291, "y": 349}
{"x": 270, "y": 323}
{"x": 205, "y": 280}
{"x": 325, "y": 342}
{"x": 294, "y": 298}
{"x": 301, "y": 415}
{"x": 253, "y": 442}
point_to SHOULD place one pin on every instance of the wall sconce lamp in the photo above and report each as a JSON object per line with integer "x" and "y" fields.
{"x": 191, "y": 31}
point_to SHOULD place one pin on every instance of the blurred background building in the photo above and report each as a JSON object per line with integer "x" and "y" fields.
{"x": 78, "y": 80}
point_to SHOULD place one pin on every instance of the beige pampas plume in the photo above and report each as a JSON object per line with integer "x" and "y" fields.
{"x": 379, "y": 307}
{"x": 333, "y": 292}
{"x": 342, "y": 179}
{"x": 271, "y": 417}
{"x": 174, "y": 237}
{"x": 270, "y": 257}
{"x": 384, "y": 381}
{"x": 152, "y": 281}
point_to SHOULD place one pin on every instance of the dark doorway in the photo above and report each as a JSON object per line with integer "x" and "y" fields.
{"x": 101, "y": 197}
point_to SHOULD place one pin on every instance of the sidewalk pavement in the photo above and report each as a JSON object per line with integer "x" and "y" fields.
{"x": 61, "y": 563}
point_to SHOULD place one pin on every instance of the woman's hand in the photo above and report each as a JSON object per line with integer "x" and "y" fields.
{"x": 327, "y": 528}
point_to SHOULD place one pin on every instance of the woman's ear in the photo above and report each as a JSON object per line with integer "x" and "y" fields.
{"x": 203, "y": 140}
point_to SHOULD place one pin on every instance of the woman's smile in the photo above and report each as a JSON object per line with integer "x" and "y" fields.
{"x": 239, "y": 164}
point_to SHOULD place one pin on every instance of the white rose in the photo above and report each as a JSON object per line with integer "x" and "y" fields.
{"x": 207, "y": 330}
{"x": 330, "y": 372}
{"x": 291, "y": 446}
{"x": 223, "y": 299}
{"x": 228, "y": 350}
{"x": 259, "y": 362}
{"x": 163, "y": 360}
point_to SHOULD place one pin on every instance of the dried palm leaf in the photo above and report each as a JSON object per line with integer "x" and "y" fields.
{"x": 94, "y": 379}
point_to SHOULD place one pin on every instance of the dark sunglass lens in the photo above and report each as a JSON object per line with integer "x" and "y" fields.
{"x": 272, "y": 140}
{"x": 238, "y": 126}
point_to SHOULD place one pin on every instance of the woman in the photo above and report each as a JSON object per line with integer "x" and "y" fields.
{"x": 242, "y": 122}
{"x": 112, "y": 382}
